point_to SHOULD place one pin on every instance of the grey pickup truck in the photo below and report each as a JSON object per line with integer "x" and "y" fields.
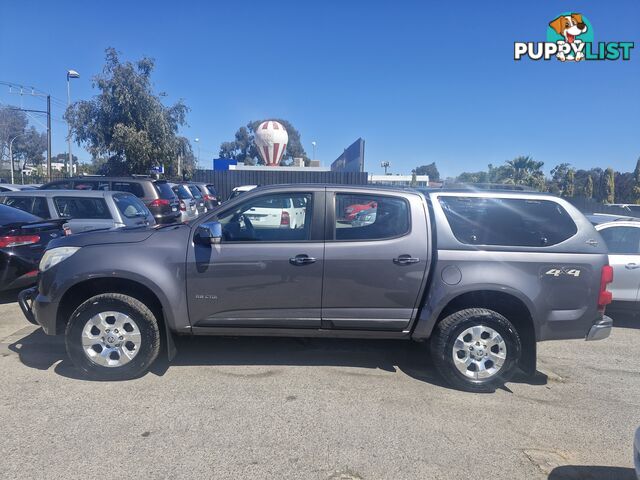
{"x": 482, "y": 276}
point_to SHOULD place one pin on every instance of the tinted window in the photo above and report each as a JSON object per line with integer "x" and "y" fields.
{"x": 182, "y": 192}
{"x": 79, "y": 207}
{"x": 370, "y": 217}
{"x": 61, "y": 185}
{"x": 131, "y": 187}
{"x": 90, "y": 185}
{"x": 268, "y": 218}
{"x": 23, "y": 203}
{"x": 507, "y": 221}
{"x": 164, "y": 190}
{"x": 13, "y": 215}
{"x": 211, "y": 189}
{"x": 130, "y": 206}
{"x": 622, "y": 240}
{"x": 194, "y": 191}
{"x": 40, "y": 207}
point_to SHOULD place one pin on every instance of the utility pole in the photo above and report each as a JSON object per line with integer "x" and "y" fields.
{"x": 385, "y": 165}
{"x": 49, "y": 138}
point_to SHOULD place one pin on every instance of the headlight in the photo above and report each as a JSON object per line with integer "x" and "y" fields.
{"x": 56, "y": 255}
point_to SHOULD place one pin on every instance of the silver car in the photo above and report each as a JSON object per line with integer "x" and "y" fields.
{"x": 188, "y": 204}
{"x": 623, "y": 241}
{"x": 86, "y": 210}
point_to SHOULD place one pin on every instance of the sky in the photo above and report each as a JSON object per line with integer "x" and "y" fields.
{"x": 420, "y": 81}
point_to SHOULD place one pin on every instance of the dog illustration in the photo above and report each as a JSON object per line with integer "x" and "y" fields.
{"x": 569, "y": 26}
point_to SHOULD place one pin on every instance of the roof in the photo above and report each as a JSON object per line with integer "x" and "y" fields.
{"x": 66, "y": 193}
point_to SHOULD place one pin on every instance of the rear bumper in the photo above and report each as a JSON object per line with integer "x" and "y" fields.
{"x": 164, "y": 218}
{"x": 38, "y": 310}
{"x": 601, "y": 329}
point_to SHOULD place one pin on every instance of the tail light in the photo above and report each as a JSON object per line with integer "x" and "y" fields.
{"x": 159, "y": 202}
{"x": 18, "y": 241}
{"x": 183, "y": 206}
{"x": 284, "y": 218}
{"x": 67, "y": 229}
{"x": 605, "y": 297}
{"x": 211, "y": 198}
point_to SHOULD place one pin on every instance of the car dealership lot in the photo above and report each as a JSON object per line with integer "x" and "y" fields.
{"x": 315, "y": 408}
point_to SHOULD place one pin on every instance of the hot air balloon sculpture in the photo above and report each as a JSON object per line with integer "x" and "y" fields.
{"x": 271, "y": 141}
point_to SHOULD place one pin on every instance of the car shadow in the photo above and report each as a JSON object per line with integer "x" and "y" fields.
{"x": 40, "y": 351}
{"x": 589, "y": 472}
{"x": 624, "y": 319}
{"x": 9, "y": 296}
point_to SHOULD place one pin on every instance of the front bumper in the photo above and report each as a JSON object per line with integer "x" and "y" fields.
{"x": 39, "y": 310}
{"x": 601, "y": 329}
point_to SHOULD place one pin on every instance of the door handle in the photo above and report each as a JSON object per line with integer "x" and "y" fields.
{"x": 302, "y": 259}
{"x": 631, "y": 266}
{"x": 405, "y": 260}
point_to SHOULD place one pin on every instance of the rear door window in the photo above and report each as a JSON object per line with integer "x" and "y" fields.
{"x": 370, "y": 217}
{"x": 164, "y": 190}
{"x": 90, "y": 185}
{"x": 513, "y": 222}
{"x": 82, "y": 207}
{"x": 34, "y": 205}
{"x": 130, "y": 187}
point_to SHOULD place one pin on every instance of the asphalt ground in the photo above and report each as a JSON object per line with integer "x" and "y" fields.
{"x": 315, "y": 409}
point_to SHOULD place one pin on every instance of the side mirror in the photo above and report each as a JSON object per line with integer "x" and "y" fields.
{"x": 208, "y": 233}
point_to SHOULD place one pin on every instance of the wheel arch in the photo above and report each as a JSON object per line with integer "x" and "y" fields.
{"x": 506, "y": 303}
{"x": 81, "y": 291}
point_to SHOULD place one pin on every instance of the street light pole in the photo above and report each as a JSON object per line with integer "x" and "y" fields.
{"x": 314, "y": 150}
{"x": 11, "y": 154}
{"x": 197, "y": 140}
{"x": 70, "y": 74}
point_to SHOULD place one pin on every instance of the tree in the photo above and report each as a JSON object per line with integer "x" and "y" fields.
{"x": 624, "y": 187}
{"x": 609, "y": 185}
{"x": 126, "y": 122}
{"x": 636, "y": 186}
{"x": 588, "y": 190}
{"x": 243, "y": 148}
{"x": 27, "y": 144}
{"x": 430, "y": 170}
{"x": 524, "y": 170}
{"x": 569, "y": 189}
{"x": 558, "y": 183}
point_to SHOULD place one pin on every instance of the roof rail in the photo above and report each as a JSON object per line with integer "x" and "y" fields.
{"x": 489, "y": 186}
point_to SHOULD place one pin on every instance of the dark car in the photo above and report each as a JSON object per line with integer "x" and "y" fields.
{"x": 23, "y": 239}
{"x": 481, "y": 276}
{"x": 211, "y": 197}
{"x": 157, "y": 195}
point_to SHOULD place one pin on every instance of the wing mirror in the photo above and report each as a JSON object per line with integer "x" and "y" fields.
{"x": 208, "y": 233}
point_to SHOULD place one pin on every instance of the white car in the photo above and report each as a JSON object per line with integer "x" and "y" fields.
{"x": 623, "y": 241}
{"x": 636, "y": 453}
{"x": 283, "y": 212}
{"x": 240, "y": 190}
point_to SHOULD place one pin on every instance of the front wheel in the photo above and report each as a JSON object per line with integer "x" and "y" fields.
{"x": 112, "y": 337}
{"x": 476, "y": 349}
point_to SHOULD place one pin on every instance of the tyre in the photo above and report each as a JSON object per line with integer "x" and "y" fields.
{"x": 112, "y": 337}
{"x": 475, "y": 349}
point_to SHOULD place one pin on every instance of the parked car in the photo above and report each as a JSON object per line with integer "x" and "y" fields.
{"x": 364, "y": 218}
{"x": 209, "y": 193}
{"x": 83, "y": 210}
{"x": 240, "y": 190}
{"x": 157, "y": 195}
{"x": 201, "y": 205}
{"x": 23, "y": 238}
{"x": 12, "y": 187}
{"x": 188, "y": 204}
{"x": 350, "y": 211}
{"x": 623, "y": 241}
{"x": 598, "y": 218}
{"x": 280, "y": 211}
{"x": 482, "y": 276}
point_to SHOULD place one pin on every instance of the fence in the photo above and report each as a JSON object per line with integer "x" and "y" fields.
{"x": 226, "y": 180}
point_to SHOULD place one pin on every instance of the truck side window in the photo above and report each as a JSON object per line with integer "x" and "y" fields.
{"x": 622, "y": 240}
{"x": 82, "y": 207}
{"x": 269, "y": 218}
{"x": 515, "y": 222}
{"x": 370, "y": 217}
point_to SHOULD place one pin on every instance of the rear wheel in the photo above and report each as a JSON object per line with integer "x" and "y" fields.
{"x": 476, "y": 349}
{"x": 112, "y": 337}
